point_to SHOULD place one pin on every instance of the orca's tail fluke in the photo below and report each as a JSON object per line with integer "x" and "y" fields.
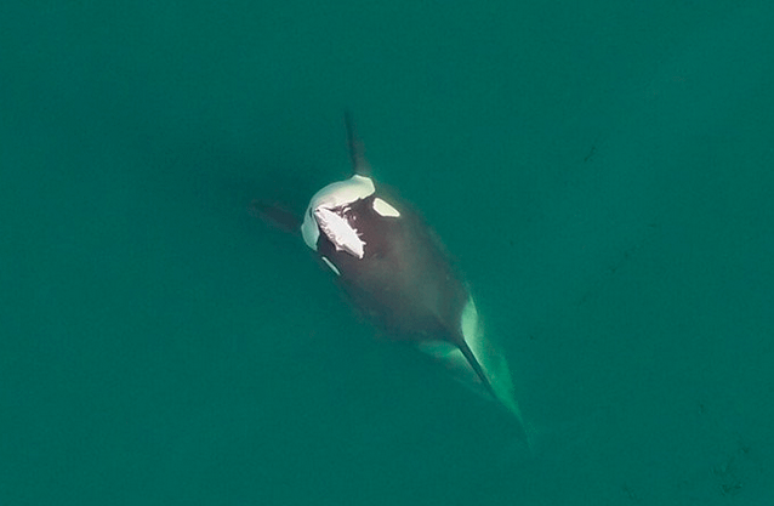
{"x": 360, "y": 165}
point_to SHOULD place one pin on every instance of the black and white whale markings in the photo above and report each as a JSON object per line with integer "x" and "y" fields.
{"x": 394, "y": 268}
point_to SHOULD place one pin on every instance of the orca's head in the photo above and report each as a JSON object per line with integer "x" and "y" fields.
{"x": 330, "y": 212}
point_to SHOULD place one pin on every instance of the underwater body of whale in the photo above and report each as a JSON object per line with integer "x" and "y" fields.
{"x": 395, "y": 269}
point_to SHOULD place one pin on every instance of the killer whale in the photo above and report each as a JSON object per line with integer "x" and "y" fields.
{"x": 394, "y": 268}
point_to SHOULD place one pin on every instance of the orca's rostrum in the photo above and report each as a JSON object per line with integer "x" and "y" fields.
{"x": 394, "y": 268}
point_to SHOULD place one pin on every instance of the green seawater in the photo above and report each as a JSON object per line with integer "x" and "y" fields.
{"x": 601, "y": 171}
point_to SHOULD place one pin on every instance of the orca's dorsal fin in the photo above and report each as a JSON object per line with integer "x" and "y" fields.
{"x": 360, "y": 165}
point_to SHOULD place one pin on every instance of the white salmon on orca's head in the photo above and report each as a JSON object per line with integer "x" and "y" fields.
{"x": 395, "y": 270}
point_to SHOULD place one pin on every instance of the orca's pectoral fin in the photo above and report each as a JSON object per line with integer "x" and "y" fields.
{"x": 360, "y": 165}
{"x": 276, "y": 215}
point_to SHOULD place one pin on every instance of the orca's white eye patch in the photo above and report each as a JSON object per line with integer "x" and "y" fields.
{"x": 385, "y": 209}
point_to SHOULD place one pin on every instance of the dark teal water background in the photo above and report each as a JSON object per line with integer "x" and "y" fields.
{"x": 602, "y": 171}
